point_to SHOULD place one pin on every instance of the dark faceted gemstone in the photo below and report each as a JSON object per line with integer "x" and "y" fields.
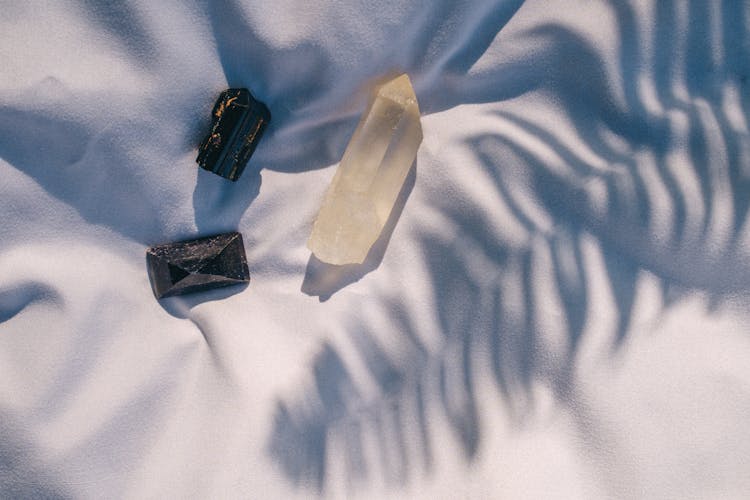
{"x": 239, "y": 121}
{"x": 197, "y": 265}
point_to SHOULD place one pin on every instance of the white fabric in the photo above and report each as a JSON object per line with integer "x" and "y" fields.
{"x": 561, "y": 310}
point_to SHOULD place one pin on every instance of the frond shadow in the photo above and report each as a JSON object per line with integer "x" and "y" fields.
{"x": 486, "y": 296}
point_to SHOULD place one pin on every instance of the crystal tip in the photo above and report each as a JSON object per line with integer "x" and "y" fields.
{"x": 399, "y": 89}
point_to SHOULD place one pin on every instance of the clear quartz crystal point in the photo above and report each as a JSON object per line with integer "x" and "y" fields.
{"x": 370, "y": 176}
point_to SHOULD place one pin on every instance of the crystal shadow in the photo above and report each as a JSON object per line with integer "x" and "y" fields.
{"x": 180, "y": 306}
{"x": 218, "y": 205}
{"x": 322, "y": 280}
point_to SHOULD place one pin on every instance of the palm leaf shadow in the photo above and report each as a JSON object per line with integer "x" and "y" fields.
{"x": 481, "y": 314}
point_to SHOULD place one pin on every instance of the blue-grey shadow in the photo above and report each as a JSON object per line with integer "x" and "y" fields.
{"x": 219, "y": 203}
{"x": 64, "y": 157}
{"x": 305, "y": 429}
{"x": 12, "y": 302}
{"x": 22, "y": 475}
{"x": 180, "y": 306}
{"x": 473, "y": 314}
{"x": 299, "y": 441}
{"x": 127, "y": 24}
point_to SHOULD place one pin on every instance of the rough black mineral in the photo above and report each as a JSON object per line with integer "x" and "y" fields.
{"x": 197, "y": 265}
{"x": 238, "y": 124}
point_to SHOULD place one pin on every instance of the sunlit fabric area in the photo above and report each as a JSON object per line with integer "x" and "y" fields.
{"x": 558, "y": 306}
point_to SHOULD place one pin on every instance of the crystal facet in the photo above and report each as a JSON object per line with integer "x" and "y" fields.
{"x": 197, "y": 265}
{"x": 238, "y": 124}
{"x": 370, "y": 177}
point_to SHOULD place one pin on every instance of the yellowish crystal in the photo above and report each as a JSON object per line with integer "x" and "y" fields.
{"x": 370, "y": 176}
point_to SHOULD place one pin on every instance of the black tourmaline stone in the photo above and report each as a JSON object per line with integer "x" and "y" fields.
{"x": 197, "y": 265}
{"x": 238, "y": 124}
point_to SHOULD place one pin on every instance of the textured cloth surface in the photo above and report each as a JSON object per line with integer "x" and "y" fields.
{"x": 558, "y": 308}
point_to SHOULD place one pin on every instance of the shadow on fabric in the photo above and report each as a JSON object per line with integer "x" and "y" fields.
{"x": 486, "y": 290}
{"x": 20, "y": 475}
